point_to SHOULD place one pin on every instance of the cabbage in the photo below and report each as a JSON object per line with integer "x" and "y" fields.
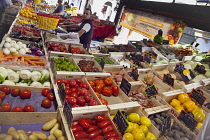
{"x": 198, "y": 58}
{"x": 178, "y": 84}
{"x": 171, "y": 68}
{"x": 199, "y": 78}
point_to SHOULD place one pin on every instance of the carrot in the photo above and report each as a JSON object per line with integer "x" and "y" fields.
{"x": 3, "y": 59}
{"x": 30, "y": 62}
{"x": 22, "y": 59}
{"x": 39, "y": 63}
{"x": 15, "y": 59}
{"x": 33, "y": 58}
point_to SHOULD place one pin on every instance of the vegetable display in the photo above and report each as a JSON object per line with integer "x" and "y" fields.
{"x": 64, "y": 64}
{"x": 106, "y": 60}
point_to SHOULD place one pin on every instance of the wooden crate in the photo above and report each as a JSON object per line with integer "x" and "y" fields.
{"x": 132, "y": 107}
{"x": 121, "y": 98}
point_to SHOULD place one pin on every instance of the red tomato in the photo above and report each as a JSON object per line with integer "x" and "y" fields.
{"x": 83, "y": 92}
{"x": 80, "y": 101}
{"x": 74, "y": 95}
{"x": 84, "y": 85}
{"x": 114, "y": 138}
{"x": 104, "y": 124}
{"x": 106, "y": 91}
{"x": 84, "y": 139}
{"x": 80, "y": 134}
{"x": 99, "y": 82}
{"x": 73, "y": 90}
{"x": 108, "y": 81}
{"x": 25, "y": 94}
{"x": 45, "y": 91}
{"x": 15, "y": 92}
{"x": 72, "y": 100}
{"x": 5, "y": 89}
{"x": 92, "y": 103}
{"x": 100, "y": 118}
{"x": 92, "y": 84}
{"x": 99, "y": 138}
{"x": 99, "y": 87}
{"x": 58, "y": 81}
{"x": 93, "y": 134}
{"x": 88, "y": 98}
{"x": 104, "y": 101}
{"x": 84, "y": 123}
{"x": 79, "y": 81}
{"x": 64, "y": 81}
{"x": 108, "y": 129}
{"x": 46, "y": 103}
{"x": 115, "y": 90}
{"x": 2, "y": 95}
{"x": 17, "y": 109}
{"x": 112, "y": 134}
{"x": 76, "y": 128}
{"x": 6, "y": 107}
{"x": 51, "y": 96}
{"x": 72, "y": 83}
{"x": 98, "y": 94}
{"x": 75, "y": 105}
{"x": 92, "y": 128}
{"x": 68, "y": 92}
{"x": 89, "y": 121}
{"x": 75, "y": 123}
{"x": 28, "y": 108}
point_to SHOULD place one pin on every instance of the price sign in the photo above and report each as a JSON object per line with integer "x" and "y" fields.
{"x": 179, "y": 68}
{"x": 187, "y": 76}
{"x": 135, "y": 74}
{"x": 166, "y": 126}
{"x": 67, "y": 110}
{"x": 121, "y": 122}
{"x": 147, "y": 58}
{"x": 200, "y": 69}
{"x": 61, "y": 92}
{"x": 197, "y": 97}
{"x": 125, "y": 86}
{"x": 102, "y": 63}
{"x": 188, "y": 120}
{"x": 168, "y": 79}
{"x": 151, "y": 91}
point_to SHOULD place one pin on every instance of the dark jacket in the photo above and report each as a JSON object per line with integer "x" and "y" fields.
{"x": 86, "y": 37}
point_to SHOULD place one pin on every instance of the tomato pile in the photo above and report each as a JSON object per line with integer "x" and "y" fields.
{"x": 99, "y": 128}
{"x": 56, "y": 47}
{"x": 77, "y": 93}
{"x": 75, "y": 50}
{"x": 23, "y": 94}
{"x": 105, "y": 86}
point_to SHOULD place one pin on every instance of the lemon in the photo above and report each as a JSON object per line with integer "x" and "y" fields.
{"x": 133, "y": 117}
{"x": 128, "y": 136}
{"x": 130, "y": 127}
{"x": 145, "y": 121}
{"x": 135, "y": 125}
{"x": 144, "y": 129}
{"x": 150, "y": 136}
{"x": 138, "y": 134}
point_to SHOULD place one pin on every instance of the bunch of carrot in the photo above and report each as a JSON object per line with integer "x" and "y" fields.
{"x": 26, "y": 60}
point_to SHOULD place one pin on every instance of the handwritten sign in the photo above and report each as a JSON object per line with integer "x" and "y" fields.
{"x": 125, "y": 86}
{"x": 188, "y": 120}
{"x": 121, "y": 122}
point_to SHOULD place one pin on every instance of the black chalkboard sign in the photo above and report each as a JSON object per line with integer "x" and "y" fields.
{"x": 151, "y": 91}
{"x": 185, "y": 78}
{"x": 200, "y": 69}
{"x": 102, "y": 63}
{"x": 67, "y": 110}
{"x": 61, "y": 92}
{"x": 125, "y": 86}
{"x": 135, "y": 74}
{"x": 120, "y": 121}
{"x": 188, "y": 120}
{"x": 179, "y": 68}
{"x": 166, "y": 126}
{"x": 165, "y": 42}
{"x": 147, "y": 58}
{"x": 197, "y": 97}
{"x": 168, "y": 79}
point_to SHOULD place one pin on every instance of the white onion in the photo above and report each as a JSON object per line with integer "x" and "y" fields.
{"x": 23, "y": 46}
{"x": 8, "y": 39}
{"x": 12, "y": 50}
{"x": 7, "y": 45}
{"x": 19, "y": 43}
{"x": 16, "y": 46}
{"x": 6, "y": 51}
{"x": 22, "y": 52}
{"x": 12, "y": 42}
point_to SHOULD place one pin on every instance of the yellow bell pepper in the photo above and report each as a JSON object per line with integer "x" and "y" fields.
{"x": 174, "y": 103}
{"x": 199, "y": 126}
{"x": 190, "y": 106}
{"x": 179, "y": 108}
{"x": 198, "y": 114}
{"x": 183, "y": 98}
{"x": 130, "y": 127}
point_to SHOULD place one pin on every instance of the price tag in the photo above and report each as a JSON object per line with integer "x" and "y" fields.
{"x": 187, "y": 77}
{"x": 168, "y": 79}
{"x": 197, "y": 97}
{"x": 179, "y": 68}
{"x": 165, "y": 42}
{"x": 188, "y": 120}
{"x": 102, "y": 63}
{"x": 147, "y": 58}
{"x": 61, "y": 92}
{"x": 135, "y": 74}
{"x": 67, "y": 110}
{"x": 120, "y": 121}
{"x": 125, "y": 86}
{"x": 166, "y": 126}
{"x": 151, "y": 91}
{"x": 200, "y": 69}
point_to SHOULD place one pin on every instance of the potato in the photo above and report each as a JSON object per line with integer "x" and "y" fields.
{"x": 12, "y": 131}
{"x": 33, "y": 137}
{"x": 58, "y": 133}
{"x": 49, "y": 125}
{"x": 7, "y": 137}
{"x": 56, "y": 126}
{"x": 2, "y": 135}
{"x": 40, "y": 135}
{"x": 23, "y": 136}
{"x": 62, "y": 138}
{"x": 51, "y": 137}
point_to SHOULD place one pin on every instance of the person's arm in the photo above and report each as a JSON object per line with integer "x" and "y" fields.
{"x": 81, "y": 32}
{"x": 85, "y": 29}
{"x": 69, "y": 26}
{"x": 59, "y": 13}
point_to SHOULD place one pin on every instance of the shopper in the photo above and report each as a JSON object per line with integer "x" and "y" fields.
{"x": 85, "y": 29}
{"x": 3, "y": 5}
{"x": 60, "y": 9}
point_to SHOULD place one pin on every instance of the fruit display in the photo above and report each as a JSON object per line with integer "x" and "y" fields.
{"x": 88, "y": 66}
{"x": 58, "y": 47}
{"x": 26, "y": 30}
{"x": 134, "y": 58}
{"x": 177, "y": 131}
{"x": 76, "y": 50}
{"x": 98, "y": 128}
{"x": 78, "y": 93}
{"x": 104, "y": 86}
{"x": 118, "y": 76}
{"x": 24, "y": 100}
{"x": 64, "y": 64}
{"x": 106, "y": 60}
{"x": 28, "y": 13}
